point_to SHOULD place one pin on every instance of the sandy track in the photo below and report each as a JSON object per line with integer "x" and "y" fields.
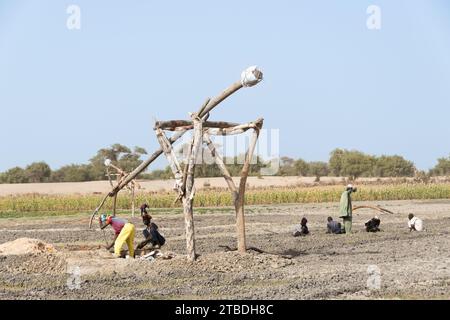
{"x": 412, "y": 265}
{"x": 158, "y": 185}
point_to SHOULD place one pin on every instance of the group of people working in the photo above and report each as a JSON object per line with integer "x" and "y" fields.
{"x": 346, "y": 213}
{"x": 124, "y": 232}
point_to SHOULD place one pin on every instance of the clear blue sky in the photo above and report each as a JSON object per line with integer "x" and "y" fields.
{"x": 329, "y": 81}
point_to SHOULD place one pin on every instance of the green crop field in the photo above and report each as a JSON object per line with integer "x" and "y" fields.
{"x": 49, "y": 204}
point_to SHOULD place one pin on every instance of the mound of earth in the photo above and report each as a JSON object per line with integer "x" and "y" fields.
{"x": 23, "y": 246}
{"x": 223, "y": 262}
{"x": 44, "y": 264}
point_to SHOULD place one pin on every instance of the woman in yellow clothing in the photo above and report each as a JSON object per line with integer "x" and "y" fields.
{"x": 124, "y": 232}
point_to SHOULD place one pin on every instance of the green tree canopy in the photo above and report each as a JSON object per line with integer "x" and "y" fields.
{"x": 356, "y": 164}
{"x": 318, "y": 169}
{"x": 393, "y": 166}
{"x": 38, "y": 172}
{"x": 15, "y": 175}
{"x": 442, "y": 168}
{"x": 335, "y": 162}
{"x": 302, "y": 167}
{"x": 120, "y": 155}
{"x": 287, "y": 167}
{"x": 72, "y": 173}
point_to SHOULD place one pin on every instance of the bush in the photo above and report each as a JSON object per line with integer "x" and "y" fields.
{"x": 15, "y": 175}
{"x": 72, "y": 173}
{"x": 38, "y": 172}
{"x": 393, "y": 166}
{"x": 354, "y": 164}
{"x": 442, "y": 168}
{"x": 318, "y": 169}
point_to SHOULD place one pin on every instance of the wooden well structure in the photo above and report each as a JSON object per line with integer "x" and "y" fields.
{"x": 201, "y": 129}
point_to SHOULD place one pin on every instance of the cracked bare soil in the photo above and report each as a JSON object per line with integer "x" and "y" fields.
{"x": 411, "y": 265}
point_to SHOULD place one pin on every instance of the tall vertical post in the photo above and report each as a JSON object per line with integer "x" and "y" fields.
{"x": 114, "y": 205}
{"x": 188, "y": 198}
{"x": 133, "y": 200}
{"x": 240, "y": 218}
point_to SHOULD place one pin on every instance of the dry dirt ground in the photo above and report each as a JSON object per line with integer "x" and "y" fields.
{"x": 147, "y": 186}
{"x": 320, "y": 266}
{"x": 69, "y": 188}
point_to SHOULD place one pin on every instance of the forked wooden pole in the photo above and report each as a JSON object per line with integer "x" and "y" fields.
{"x": 222, "y": 167}
{"x": 96, "y": 211}
{"x": 133, "y": 201}
{"x": 225, "y": 94}
{"x": 173, "y": 161}
{"x": 240, "y": 218}
{"x": 188, "y": 198}
{"x": 238, "y": 194}
{"x": 169, "y": 153}
{"x": 114, "y": 204}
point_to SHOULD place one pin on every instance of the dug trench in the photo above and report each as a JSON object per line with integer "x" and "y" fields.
{"x": 318, "y": 266}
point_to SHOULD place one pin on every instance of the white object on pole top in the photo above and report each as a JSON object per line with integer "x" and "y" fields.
{"x": 108, "y": 162}
{"x": 251, "y": 76}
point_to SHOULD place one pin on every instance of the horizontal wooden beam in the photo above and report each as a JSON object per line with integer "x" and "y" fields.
{"x": 236, "y": 129}
{"x": 180, "y": 125}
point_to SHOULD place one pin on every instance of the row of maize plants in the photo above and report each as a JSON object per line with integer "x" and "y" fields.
{"x": 217, "y": 198}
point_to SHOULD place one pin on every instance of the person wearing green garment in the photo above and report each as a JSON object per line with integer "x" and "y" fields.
{"x": 346, "y": 208}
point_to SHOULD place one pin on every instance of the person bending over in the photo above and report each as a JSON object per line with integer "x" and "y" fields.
{"x": 373, "y": 225}
{"x": 333, "y": 227}
{"x": 414, "y": 223}
{"x": 124, "y": 233}
{"x": 151, "y": 233}
{"x": 302, "y": 229}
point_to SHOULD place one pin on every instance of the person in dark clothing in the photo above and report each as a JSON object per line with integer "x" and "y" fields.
{"x": 151, "y": 232}
{"x": 302, "y": 229}
{"x": 373, "y": 225}
{"x": 144, "y": 208}
{"x": 333, "y": 227}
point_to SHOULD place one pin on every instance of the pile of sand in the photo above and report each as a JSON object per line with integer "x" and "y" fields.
{"x": 23, "y": 246}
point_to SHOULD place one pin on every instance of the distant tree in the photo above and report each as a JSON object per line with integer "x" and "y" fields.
{"x": 236, "y": 164}
{"x": 287, "y": 161}
{"x": 119, "y": 155}
{"x": 422, "y": 176}
{"x": 139, "y": 150}
{"x": 15, "y": 175}
{"x": 442, "y": 168}
{"x": 342, "y": 162}
{"x": 335, "y": 162}
{"x": 318, "y": 169}
{"x": 71, "y": 173}
{"x": 301, "y": 168}
{"x": 287, "y": 167}
{"x": 159, "y": 174}
{"x": 393, "y": 166}
{"x": 38, "y": 172}
{"x": 205, "y": 165}
{"x": 356, "y": 164}
{"x": 130, "y": 161}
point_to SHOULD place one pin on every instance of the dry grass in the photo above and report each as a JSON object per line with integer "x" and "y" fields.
{"x": 221, "y": 197}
